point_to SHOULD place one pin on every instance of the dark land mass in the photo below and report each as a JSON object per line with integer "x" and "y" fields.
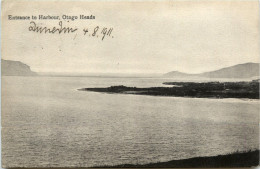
{"x": 248, "y": 90}
{"x": 246, "y": 70}
{"x": 15, "y": 68}
{"x": 240, "y": 159}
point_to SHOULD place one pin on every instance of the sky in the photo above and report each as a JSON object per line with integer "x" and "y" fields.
{"x": 148, "y": 37}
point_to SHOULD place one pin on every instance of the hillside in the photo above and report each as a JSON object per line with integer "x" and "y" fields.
{"x": 15, "y": 68}
{"x": 233, "y": 160}
{"x": 178, "y": 74}
{"x": 246, "y": 70}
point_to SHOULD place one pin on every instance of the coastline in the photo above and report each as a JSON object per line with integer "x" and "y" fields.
{"x": 217, "y": 90}
{"x": 237, "y": 159}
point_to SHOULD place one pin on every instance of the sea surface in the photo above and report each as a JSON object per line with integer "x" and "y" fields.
{"x": 47, "y": 122}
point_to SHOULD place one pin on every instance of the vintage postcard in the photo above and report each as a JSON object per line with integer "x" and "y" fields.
{"x": 160, "y": 84}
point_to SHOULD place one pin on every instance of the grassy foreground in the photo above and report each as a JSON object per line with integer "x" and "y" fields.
{"x": 242, "y": 159}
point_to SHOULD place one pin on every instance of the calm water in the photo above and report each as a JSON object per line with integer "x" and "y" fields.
{"x": 47, "y": 122}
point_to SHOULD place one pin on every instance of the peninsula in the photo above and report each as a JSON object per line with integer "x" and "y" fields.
{"x": 236, "y": 159}
{"x": 248, "y": 90}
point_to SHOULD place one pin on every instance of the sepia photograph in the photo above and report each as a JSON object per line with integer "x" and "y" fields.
{"x": 130, "y": 84}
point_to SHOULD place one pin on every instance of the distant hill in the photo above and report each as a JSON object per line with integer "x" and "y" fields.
{"x": 246, "y": 70}
{"x": 15, "y": 68}
{"x": 178, "y": 74}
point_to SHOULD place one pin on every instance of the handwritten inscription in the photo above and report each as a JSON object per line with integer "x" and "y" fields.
{"x": 97, "y": 31}
{"x": 33, "y": 27}
{"x": 104, "y": 32}
{"x": 65, "y": 25}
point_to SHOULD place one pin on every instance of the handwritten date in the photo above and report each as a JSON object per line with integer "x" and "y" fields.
{"x": 105, "y": 32}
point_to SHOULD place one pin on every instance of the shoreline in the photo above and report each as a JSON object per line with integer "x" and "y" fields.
{"x": 215, "y": 90}
{"x": 237, "y": 159}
